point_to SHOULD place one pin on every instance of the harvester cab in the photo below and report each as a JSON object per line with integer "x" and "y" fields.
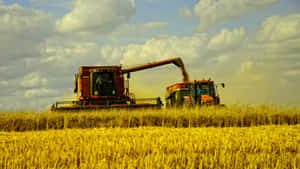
{"x": 193, "y": 93}
{"x": 100, "y": 85}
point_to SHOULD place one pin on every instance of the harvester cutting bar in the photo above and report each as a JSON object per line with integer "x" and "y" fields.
{"x": 78, "y": 105}
{"x": 98, "y": 107}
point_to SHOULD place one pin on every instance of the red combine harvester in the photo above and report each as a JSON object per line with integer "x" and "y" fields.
{"x": 99, "y": 87}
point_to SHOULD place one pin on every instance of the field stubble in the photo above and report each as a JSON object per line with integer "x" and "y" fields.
{"x": 153, "y": 147}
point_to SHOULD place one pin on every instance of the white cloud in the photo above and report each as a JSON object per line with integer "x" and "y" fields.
{"x": 22, "y": 31}
{"x": 271, "y": 69}
{"x": 17, "y": 19}
{"x": 278, "y": 39}
{"x": 63, "y": 57}
{"x": 112, "y": 54}
{"x": 165, "y": 47}
{"x": 246, "y": 67}
{"x": 191, "y": 48}
{"x": 96, "y": 16}
{"x": 222, "y": 58}
{"x": 227, "y": 38}
{"x": 138, "y": 29}
{"x": 3, "y": 68}
{"x": 185, "y": 12}
{"x": 212, "y": 13}
{"x": 3, "y": 83}
{"x": 34, "y": 79}
{"x": 291, "y": 73}
{"x": 279, "y": 28}
{"x": 153, "y": 1}
{"x": 57, "y": 4}
{"x": 151, "y": 25}
{"x": 43, "y": 92}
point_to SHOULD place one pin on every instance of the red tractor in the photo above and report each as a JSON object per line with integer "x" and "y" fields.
{"x": 198, "y": 92}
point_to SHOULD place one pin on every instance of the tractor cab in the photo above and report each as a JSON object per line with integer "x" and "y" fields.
{"x": 201, "y": 92}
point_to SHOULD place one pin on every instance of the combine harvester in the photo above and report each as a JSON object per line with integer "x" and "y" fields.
{"x": 102, "y": 87}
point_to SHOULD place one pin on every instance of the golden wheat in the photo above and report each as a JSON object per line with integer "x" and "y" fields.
{"x": 153, "y": 147}
{"x": 233, "y": 116}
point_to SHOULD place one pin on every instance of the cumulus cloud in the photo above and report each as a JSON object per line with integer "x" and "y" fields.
{"x": 56, "y": 4}
{"x": 279, "y": 39}
{"x": 227, "y": 38}
{"x": 3, "y": 68}
{"x": 42, "y": 62}
{"x": 96, "y": 16}
{"x": 212, "y": 13}
{"x": 22, "y": 30}
{"x": 17, "y": 19}
{"x": 111, "y": 54}
{"x": 3, "y": 83}
{"x": 251, "y": 70}
{"x": 164, "y": 47}
{"x": 22, "y": 33}
{"x": 42, "y": 92}
{"x": 198, "y": 46}
{"x": 278, "y": 28}
{"x": 185, "y": 12}
{"x": 151, "y": 25}
{"x": 34, "y": 79}
{"x": 273, "y": 61}
{"x": 68, "y": 53}
{"x": 137, "y": 29}
{"x": 292, "y": 73}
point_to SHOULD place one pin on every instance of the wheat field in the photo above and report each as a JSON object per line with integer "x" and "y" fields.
{"x": 274, "y": 147}
{"x": 253, "y": 137}
{"x": 231, "y": 116}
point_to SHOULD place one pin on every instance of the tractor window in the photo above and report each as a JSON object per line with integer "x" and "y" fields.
{"x": 204, "y": 89}
{"x": 208, "y": 88}
{"x": 103, "y": 84}
{"x": 212, "y": 89}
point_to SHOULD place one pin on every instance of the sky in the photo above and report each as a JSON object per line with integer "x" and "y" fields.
{"x": 253, "y": 46}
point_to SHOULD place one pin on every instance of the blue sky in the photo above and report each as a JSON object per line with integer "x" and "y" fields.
{"x": 167, "y": 11}
{"x": 251, "y": 45}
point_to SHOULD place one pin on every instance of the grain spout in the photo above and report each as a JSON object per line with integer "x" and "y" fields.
{"x": 185, "y": 74}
